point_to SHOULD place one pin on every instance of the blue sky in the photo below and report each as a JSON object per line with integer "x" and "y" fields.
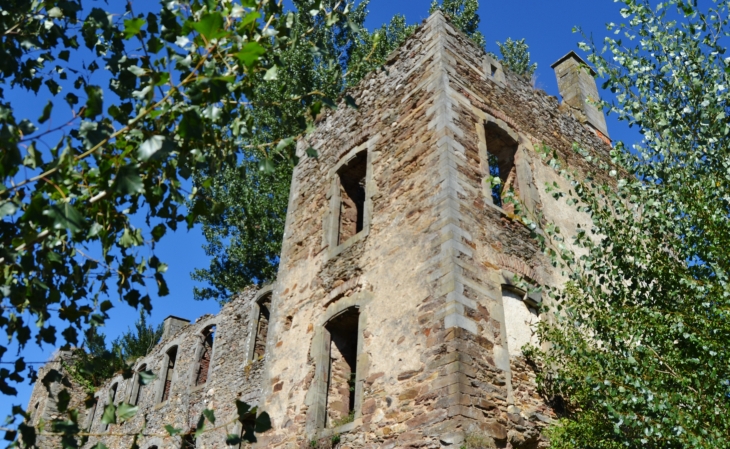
{"x": 547, "y": 27}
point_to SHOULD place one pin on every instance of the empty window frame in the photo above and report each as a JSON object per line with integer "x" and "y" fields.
{"x": 206, "y": 354}
{"x": 169, "y": 370}
{"x": 262, "y": 326}
{"x": 351, "y": 179}
{"x": 520, "y": 318}
{"x": 501, "y": 150}
{"x": 112, "y": 398}
{"x": 137, "y": 386}
{"x": 341, "y": 385}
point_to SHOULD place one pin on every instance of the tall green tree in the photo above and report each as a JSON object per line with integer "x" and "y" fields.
{"x": 464, "y": 15}
{"x": 137, "y": 342}
{"x": 181, "y": 100}
{"x": 516, "y": 56}
{"x": 244, "y": 240}
{"x": 639, "y": 352}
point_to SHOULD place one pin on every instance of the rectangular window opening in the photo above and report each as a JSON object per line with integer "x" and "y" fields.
{"x": 341, "y": 384}
{"x": 501, "y": 150}
{"x": 493, "y": 69}
{"x": 262, "y": 327}
{"x": 171, "y": 356}
{"x": 352, "y": 197}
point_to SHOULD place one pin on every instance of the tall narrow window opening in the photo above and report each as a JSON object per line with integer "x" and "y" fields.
{"x": 112, "y": 398}
{"x": 206, "y": 354}
{"x": 92, "y": 415}
{"x": 169, "y": 371}
{"x": 343, "y": 331}
{"x": 137, "y": 386}
{"x": 262, "y": 326}
{"x": 501, "y": 150}
{"x": 352, "y": 197}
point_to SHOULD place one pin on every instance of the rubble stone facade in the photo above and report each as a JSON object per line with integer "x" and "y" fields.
{"x": 396, "y": 320}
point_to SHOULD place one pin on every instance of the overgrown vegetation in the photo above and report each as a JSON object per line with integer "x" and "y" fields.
{"x": 96, "y": 362}
{"x": 516, "y": 57}
{"x": 638, "y": 353}
{"x": 464, "y": 16}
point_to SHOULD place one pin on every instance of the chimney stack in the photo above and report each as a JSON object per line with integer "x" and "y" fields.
{"x": 171, "y": 325}
{"x": 577, "y": 85}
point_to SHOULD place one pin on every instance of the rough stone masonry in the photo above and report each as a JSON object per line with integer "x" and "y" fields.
{"x": 397, "y": 319}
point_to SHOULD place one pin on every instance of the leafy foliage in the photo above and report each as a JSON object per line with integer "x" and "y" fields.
{"x": 639, "y": 351}
{"x": 97, "y": 362}
{"x": 244, "y": 240}
{"x": 80, "y": 216}
{"x": 137, "y": 343}
{"x": 464, "y": 15}
{"x": 516, "y": 57}
{"x": 177, "y": 105}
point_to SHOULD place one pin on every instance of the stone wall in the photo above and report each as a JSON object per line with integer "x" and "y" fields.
{"x": 231, "y": 374}
{"x": 426, "y": 273}
{"x": 408, "y": 250}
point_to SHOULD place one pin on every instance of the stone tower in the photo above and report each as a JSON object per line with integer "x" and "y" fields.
{"x": 406, "y": 286}
{"x": 399, "y": 261}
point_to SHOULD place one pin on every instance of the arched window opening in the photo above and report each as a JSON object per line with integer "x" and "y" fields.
{"x": 343, "y": 332}
{"x": 206, "y": 354}
{"x": 112, "y": 398}
{"x": 262, "y": 326}
{"x": 137, "y": 386}
{"x": 168, "y": 373}
{"x": 501, "y": 150}
{"x": 352, "y": 178}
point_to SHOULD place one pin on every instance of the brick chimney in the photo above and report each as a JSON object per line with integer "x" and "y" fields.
{"x": 577, "y": 85}
{"x": 171, "y": 325}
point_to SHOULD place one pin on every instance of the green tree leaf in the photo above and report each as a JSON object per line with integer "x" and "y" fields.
{"x": 209, "y": 415}
{"x": 128, "y": 181}
{"x": 132, "y": 27}
{"x": 65, "y": 216}
{"x": 250, "y": 53}
{"x": 172, "y": 431}
{"x": 94, "y": 101}
{"x": 109, "y": 416}
{"x": 46, "y": 112}
{"x": 126, "y": 411}
{"x": 210, "y": 26}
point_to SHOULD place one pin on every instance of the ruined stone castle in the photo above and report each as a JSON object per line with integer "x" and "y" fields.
{"x": 406, "y": 287}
